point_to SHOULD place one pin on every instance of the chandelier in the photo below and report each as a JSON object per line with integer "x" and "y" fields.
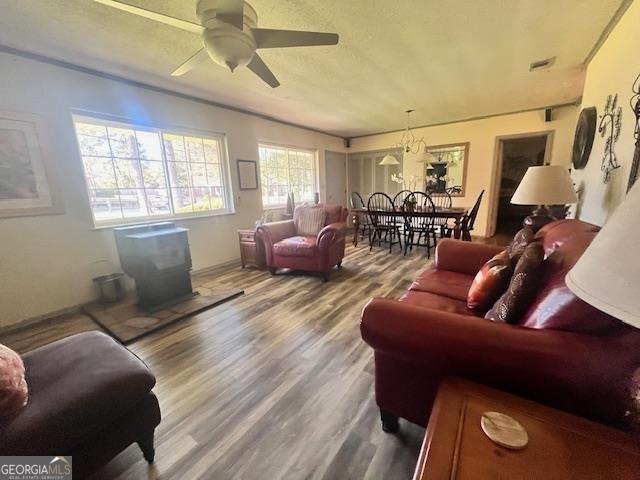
{"x": 408, "y": 143}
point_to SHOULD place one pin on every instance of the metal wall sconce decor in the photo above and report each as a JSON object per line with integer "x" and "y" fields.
{"x": 610, "y": 125}
{"x": 635, "y": 106}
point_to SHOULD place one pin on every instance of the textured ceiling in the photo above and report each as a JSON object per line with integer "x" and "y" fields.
{"x": 448, "y": 60}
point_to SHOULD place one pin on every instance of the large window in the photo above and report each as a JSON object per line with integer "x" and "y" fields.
{"x": 137, "y": 173}
{"x": 284, "y": 170}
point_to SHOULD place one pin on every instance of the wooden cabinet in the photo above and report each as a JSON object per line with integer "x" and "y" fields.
{"x": 251, "y": 250}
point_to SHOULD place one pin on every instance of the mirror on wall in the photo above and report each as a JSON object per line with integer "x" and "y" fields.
{"x": 446, "y": 168}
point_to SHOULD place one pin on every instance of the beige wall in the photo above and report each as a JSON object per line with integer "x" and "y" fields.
{"x": 482, "y": 135}
{"x": 612, "y": 70}
{"x": 47, "y": 262}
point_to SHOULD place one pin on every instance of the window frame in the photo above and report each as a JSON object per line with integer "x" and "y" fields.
{"x": 288, "y": 148}
{"x": 161, "y": 130}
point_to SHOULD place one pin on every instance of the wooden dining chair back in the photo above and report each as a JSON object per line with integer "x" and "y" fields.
{"x": 356, "y": 201}
{"x": 398, "y": 200}
{"x": 419, "y": 218}
{"x": 382, "y": 215}
{"x": 441, "y": 199}
{"x": 364, "y": 224}
{"x": 469, "y": 220}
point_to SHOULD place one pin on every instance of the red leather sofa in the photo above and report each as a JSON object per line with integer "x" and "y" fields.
{"x": 563, "y": 353}
{"x": 89, "y": 397}
{"x": 284, "y": 248}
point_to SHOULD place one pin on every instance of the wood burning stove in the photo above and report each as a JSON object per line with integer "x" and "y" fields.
{"x": 157, "y": 256}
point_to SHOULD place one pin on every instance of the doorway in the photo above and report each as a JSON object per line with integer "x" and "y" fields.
{"x": 516, "y": 155}
{"x": 336, "y": 177}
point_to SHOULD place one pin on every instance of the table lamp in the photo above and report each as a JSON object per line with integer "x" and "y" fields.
{"x": 544, "y": 185}
{"x": 607, "y": 274}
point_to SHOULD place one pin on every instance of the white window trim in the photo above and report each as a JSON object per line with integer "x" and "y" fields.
{"x": 106, "y": 120}
{"x": 316, "y": 172}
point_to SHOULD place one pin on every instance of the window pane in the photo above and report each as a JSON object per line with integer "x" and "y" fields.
{"x": 133, "y": 202}
{"x": 158, "y": 201}
{"x": 217, "y": 198}
{"x": 105, "y": 204}
{"x": 194, "y": 148}
{"x": 89, "y": 129}
{"x": 128, "y": 173}
{"x": 214, "y": 175}
{"x": 201, "y": 199}
{"x": 123, "y": 142}
{"x": 178, "y": 174}
{"x": 198, "y": 174}
{"x": 182, "y": 200}
{"x": 94, "y": 146}
{"x": 174, "y": 148}
{"x": 153, "y": 174}
{"x": 293, "y": 160}
{"x": 99, "y": 172}
{"x": 149, "y": 145}
{"x": 211, "y": 151}
{"x": 282, "y": 178}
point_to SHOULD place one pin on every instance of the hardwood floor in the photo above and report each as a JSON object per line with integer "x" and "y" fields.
{"x": 276, "y": 384}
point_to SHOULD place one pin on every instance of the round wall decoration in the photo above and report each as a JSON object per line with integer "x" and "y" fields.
{"x": 583, "y": 139}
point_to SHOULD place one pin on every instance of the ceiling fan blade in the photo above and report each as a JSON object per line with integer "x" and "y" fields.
{"x": 267, "y": 38}
{"x": 257, "y": 66}
{"x": 193, "y": 61}
{"x": 158, "y": 17}
{"x": 231, "y": 12}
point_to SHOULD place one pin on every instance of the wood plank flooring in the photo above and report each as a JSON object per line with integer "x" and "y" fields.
{"x": 276, "y": 384}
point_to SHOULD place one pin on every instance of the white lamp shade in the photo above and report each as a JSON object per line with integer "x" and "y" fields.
{"x": 545, "y": 185}
{"x": 607, "y": 275}
{"x": 389, "y": 160}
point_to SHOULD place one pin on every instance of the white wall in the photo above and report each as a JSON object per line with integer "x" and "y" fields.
{"x": 47, "y": 262}
{"x": 481, "y": 135}
{"x": 612, "y": 70}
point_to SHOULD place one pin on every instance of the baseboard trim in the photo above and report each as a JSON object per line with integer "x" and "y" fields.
{"x": 78, "y": 308}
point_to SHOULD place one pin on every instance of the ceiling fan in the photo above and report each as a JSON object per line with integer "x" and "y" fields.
{"x": 230, "y": 35}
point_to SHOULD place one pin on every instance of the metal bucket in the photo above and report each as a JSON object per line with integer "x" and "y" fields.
{"x": 110, "y": 288}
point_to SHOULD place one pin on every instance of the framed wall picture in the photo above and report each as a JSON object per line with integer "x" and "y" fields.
{"x": 27, "y": 180}
{"x": 248, "y": 174}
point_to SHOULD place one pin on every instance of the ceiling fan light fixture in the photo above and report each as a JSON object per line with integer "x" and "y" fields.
{"x": 229, "y": 47}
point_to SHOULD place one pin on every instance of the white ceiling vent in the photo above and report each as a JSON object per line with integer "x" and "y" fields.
{"x": 542, "y": 64}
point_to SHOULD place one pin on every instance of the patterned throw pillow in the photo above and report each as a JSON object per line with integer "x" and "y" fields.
{"x": 490, "y": 282}
{"x": 13, "y": 386}
{"x": 309, "y": 220}
{"x": 522, "y": 287}
{"x": 520, "y": 241}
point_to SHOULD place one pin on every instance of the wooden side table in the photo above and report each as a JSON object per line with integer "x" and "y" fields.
{"x": 251, "y": 250}
{"x": 561, "y": 445}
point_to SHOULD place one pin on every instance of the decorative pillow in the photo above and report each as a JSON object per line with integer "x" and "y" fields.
{"x": 522, "y": 287}
{"x": 490, "y": 282}
{"x": 309, "y": 220}
{"x": 13, "y": 386}
{"x": 520, "y": 241}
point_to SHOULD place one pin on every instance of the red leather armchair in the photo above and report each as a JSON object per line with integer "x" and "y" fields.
{"x": 284, "y": 248}
{"x": 564, "y": 353}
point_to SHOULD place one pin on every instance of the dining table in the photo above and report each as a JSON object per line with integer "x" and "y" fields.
{"x": 455, "y": 213}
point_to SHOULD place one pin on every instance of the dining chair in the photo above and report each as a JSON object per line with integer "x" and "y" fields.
{"x": 441, "y": 199}
{"x": 398, "y": 200}
{"x": 466, "y": 225}
{"x": 383, "y": 220}
{"x": 415, "y": 221}
{"x": 363, "y": 219}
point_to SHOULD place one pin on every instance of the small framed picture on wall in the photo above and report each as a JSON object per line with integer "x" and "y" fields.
{"x": 248, "y": 174}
